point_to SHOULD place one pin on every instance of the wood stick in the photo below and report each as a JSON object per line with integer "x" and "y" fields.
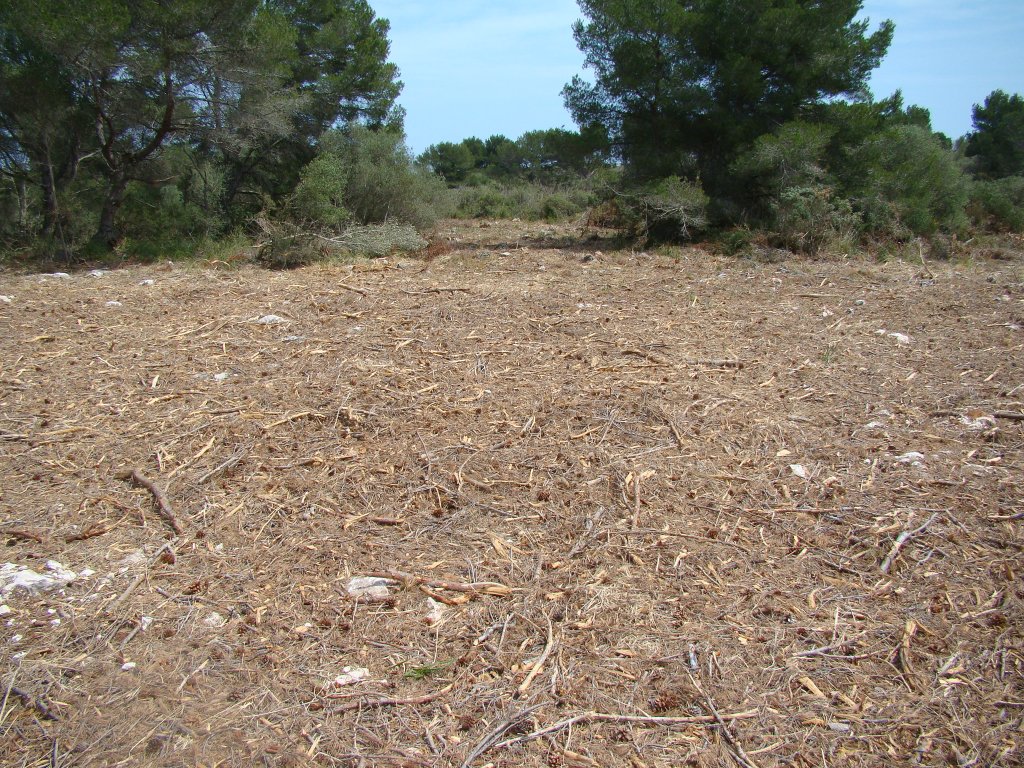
{"x": 19, "y": 534}
{"x": 601, "y": 717}
{"x": 436, "y": 290}
{"x": 496, "y": 733}
{"x": 480, "y": 587}
{"x": 741, "y": 756}
{"x": 538, "y": 665}
{"x": 388, "y": 702}
{"x": 1008, "y": 415}
{"x": 163, "y": 505}
{"x": 352, "y": 288}
{"x": 901, "y": 540}
{"x": 716, "y": 363}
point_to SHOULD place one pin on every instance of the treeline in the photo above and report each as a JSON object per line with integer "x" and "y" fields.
{"x": 153, "y": 126}
{"x": 744, "y": 116}
{"x": 156, "y": 128}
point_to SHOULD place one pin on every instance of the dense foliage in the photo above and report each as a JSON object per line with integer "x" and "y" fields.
{"x": 190, "y": 116}
{"x": 763, "y": 105}
{"x": 153, "y": 128}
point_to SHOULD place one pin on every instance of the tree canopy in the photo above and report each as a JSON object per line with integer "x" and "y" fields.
{"x": 247, "y": 85}
{"x": 997, "y": 141}
{"x": 683, "y": 86}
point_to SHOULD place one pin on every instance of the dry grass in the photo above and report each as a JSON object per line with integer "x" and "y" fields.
{"x": 653, "y": 497}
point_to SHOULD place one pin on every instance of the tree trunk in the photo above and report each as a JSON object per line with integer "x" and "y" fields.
{"x": 22, "y": 188}
{"x": 51, "y": 206}
{"x": 108, "y": 235}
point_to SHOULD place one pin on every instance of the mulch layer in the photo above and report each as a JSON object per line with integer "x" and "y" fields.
{"x": 628, "y": 508}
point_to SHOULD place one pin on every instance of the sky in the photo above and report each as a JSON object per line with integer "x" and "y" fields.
{"x": 484, "y": 67}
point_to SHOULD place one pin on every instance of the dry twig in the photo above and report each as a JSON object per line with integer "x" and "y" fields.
{"x": 163, "y": 505}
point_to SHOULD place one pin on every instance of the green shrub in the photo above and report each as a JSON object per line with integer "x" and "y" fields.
{"x": 521, "y": 200}
{"x": 998, "y": 205}
{"x": 904, "y": 180}
{"x": 367, "y": 177}
{"x": 669, "y": 209}
{"x": 810, "y": 218}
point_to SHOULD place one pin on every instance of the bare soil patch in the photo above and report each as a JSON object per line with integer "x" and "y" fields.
{"x": 638, "y": 510}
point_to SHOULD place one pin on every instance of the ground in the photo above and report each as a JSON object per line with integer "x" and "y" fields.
{"x": 639, "y": 509}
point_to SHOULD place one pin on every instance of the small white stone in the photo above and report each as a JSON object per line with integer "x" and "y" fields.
{"x": 369, "y": 586}
{"x": 350, "y": 675}
{"x": 147, "y": 281}
{"x": 128, "y": 666}
{"x": 911, "y": 457}
{"x": 113, "y": 303}
{"x": 271, "y": 320}
{"x": 215, "y": 620}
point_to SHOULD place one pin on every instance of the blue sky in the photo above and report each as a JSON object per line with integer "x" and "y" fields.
{"x": 479, "y": 67}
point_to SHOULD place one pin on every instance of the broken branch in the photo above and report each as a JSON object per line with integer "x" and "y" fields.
{"x": 901, "y": 540}
{"x": 163, "y": 505}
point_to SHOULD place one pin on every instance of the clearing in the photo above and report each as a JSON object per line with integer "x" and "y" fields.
{"x": 639, "y": 510}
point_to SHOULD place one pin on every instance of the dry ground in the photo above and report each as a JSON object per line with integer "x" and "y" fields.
{"x": 663, "y": 506}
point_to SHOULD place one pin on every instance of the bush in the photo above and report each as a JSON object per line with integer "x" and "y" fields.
{"x": 905, "y": 181}
{"x": 367, "y": 177}
{"x": 670, "y": 209}
{"x": 809, "y": 218}
{"x": 522, "y": 200}
{"x": 286, "y": 245}
{"x": 998, "y": 206}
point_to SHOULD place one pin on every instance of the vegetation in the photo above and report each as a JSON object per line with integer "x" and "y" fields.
{"x": 123, "y": 122}
{"x": 159, "y": 128}
{"x": 763, "y": 106}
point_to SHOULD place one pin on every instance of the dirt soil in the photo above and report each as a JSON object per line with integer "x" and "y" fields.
{"x": 638, "y": 510}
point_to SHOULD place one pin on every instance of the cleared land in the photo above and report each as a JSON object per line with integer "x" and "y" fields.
{"x": 641, "y": 510}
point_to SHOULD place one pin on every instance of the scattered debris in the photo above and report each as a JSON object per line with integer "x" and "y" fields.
{"x": 914, "y": 458}
{"x": 372, "y": 587}
{"x": 900, "y": 338}
{"x": 20, "y": 578}
{"x": 271, "y": 320}
{"x": 214, "y": 619}
{"x": 350, "y": 676}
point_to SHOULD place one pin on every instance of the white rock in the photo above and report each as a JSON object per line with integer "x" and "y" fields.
{"x": 215, "y": 620}
{"x": 799, "y": 470}
{"x": 980, "y": 422}
{"x": 911, "y": 457}
{"x": 369, "y": 586}
{"x": 350, "y": 675}
{"x": 98, "y": 273}
{"x": 58, "y": 275}
{"x": 900, "y": 338}
{"x": 113, "y": 303}
{"x": 293, "y": 339}
{"x": 15, "y": 578}
{"x": 147, "y": 281}
{"x": 4, "y": 299}
{"x": 271, "y": 320}
{"x": 145, "y": 623}
{"x": 4, "y": 609}
{"x": 435, "y": 614}
{"x": 221, "y": 377}
{"x": 128, "y": 666}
